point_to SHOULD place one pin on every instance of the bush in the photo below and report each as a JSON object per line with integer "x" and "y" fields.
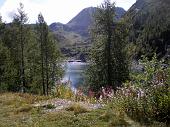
{"x": 63, "y": 91}
{"x": 77, "y": 109}
{"x": 49, "y": 106}
{"x": 114, "y": 116}
{"x": 147, "y": 97}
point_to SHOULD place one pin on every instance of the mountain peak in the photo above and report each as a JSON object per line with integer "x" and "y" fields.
{"x": 78, "y": 26}
{"x": 83, "y": 20}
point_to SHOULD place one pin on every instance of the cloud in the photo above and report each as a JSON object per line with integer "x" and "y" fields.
{"x": 52, "y": 10}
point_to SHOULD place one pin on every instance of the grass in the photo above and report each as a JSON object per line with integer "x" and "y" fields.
{"x": 77, "y": 109}
{"x": 17, "y": 111}
{"x": 50, "y": 106}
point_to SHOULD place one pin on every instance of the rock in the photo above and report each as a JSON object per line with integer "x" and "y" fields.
{"x": 61, "y": 104}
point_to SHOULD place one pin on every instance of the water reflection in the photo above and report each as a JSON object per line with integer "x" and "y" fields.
{"x": 74, "y": 72}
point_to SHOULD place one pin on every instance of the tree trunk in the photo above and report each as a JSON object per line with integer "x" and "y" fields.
{"x": 42, "y": 62}
{"x": 46, "y": 62}
{"x": 109, "y": 59}
{"x": 22, "y": 59}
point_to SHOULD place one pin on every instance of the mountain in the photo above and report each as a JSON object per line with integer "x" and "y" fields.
{"x": 150, "y": 26}
{"x": 81, "y": 22}
{"x": 73, "y": 37}
{"x": 149, "y": 22}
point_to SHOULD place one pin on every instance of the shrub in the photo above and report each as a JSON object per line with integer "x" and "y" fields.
{"x": 147, "y": 97}
{"x": 114, "y": 116}
{"x": 49, "y": 106}
{"x": 63, "y": 91}
{"x": 77, "y": 109}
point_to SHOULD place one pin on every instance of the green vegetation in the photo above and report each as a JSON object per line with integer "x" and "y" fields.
{"x": 146, "y": 98}
{"x": 108, "y": 63}
{"x": 146, "y": 95}
{"x": 18, "y": 110}
{"x": 62, "y": 91}
{"x": 30, "y": 58}
{"x": 30, "y": 62}
{"x": 50, "y": 106}
{"x": 149, "y": 27}
{"x": 77, "y": 109}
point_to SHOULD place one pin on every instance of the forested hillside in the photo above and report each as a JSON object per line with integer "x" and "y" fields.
{"x": 149, "y": 22}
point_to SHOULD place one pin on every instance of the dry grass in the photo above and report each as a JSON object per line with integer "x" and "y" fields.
{"x": 17, "y": 111}
{"x": 77, "y": 108}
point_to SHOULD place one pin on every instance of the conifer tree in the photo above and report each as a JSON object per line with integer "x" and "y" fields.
{"x": 21, "y": 19}
{"x": 48, "y": 52}
{"x": 41, "y": 23}
{"x": 108, "y": 63}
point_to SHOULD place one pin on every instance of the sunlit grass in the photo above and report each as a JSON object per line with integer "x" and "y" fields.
{"x": 77, "y": 109}
{"x": 17, "y": 110}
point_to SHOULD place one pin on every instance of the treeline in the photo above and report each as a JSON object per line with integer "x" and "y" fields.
{"x": 29, "y": 56}
{"x": 149, "y": 29}
{"x": 117, "y": 44}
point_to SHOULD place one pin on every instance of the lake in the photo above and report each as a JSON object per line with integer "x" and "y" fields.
{"x": 74, "y": 72}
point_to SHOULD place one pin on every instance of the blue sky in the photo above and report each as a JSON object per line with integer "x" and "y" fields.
{"x": 1, "y": 2}
{"x": 52, "y": 10}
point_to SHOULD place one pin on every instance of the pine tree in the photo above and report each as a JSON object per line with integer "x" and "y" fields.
{"x": 29, "y": 57}
{"x": 8, "y": 64}
{"x": 49, "y": 54}
{"x": 107, "y": 58}
{"x": 40, "y": 26}
{"x": 21, "y": 19}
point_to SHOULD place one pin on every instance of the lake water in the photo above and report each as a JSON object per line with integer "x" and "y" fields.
{"x": 74, "y": 72}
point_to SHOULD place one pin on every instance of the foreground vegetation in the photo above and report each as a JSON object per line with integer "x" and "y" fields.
{"x": 18, "y": 110}
{"x": 146, "y": 98}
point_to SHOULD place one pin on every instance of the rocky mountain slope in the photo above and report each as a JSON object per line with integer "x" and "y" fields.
{"x": 73, "y": 37}
{"x": 76, "y": 30}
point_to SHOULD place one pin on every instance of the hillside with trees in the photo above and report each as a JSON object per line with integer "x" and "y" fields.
{"x": 149, "y": 22}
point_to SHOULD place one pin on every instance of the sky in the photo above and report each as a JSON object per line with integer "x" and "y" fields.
{"x": 53, "y": 10}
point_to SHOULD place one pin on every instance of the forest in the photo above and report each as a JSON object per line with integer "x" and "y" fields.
{"x": 126, "y": 82}
{"x": 29, "y": 55}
